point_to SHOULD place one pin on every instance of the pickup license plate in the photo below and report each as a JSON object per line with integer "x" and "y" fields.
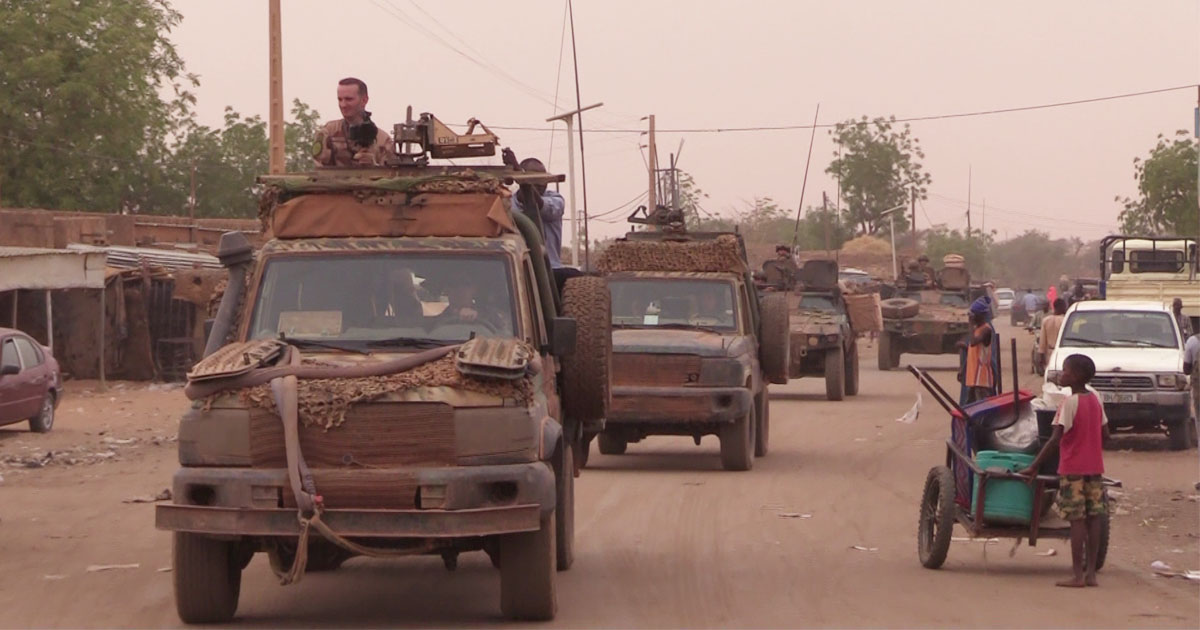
{"x": 1114, "y": 397}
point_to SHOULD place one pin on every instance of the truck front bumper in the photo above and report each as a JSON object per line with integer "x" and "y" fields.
{"x": 1149, "y": 409}
{"x": 448, "y": 502}
{"x": 682, "y": 405}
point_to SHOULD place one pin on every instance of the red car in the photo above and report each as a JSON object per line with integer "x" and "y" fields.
{"x": 30, "y": 381}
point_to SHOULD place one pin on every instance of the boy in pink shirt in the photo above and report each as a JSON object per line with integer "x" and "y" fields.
{"x": 1080, "y": 428}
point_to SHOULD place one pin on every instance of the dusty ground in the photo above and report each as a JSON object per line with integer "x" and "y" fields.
{"x": 664, "y": 537}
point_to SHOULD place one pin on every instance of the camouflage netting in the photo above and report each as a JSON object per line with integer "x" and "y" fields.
{"x": 722, "y": 254}
{"x": 324, "y": 402}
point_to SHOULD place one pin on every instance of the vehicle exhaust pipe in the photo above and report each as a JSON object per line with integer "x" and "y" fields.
{"x": 235, "y": 254}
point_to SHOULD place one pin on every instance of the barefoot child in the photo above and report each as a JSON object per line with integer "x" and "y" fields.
{"x": 1080, "y": 428}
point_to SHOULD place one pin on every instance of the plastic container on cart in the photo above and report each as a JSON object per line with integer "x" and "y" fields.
{"x": 1007, "y": 501}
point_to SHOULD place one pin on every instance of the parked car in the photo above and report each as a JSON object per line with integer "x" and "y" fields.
{"x": 30, "y": 381}
{"x": 1138, "y": 353}
{"x": 1004, "y": 299}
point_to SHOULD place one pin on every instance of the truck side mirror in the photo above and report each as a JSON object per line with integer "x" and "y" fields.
{"x": 10, "y": 369}
{"x": 562, "y": 336}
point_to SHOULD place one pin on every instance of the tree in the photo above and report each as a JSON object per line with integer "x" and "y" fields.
{"x": 973, "y": 249}
{"x": 878, "y": 167}
{"x": 81, "y": 117}
{"x": 1033, "y": 259}
{"x": 1166, "y": 202}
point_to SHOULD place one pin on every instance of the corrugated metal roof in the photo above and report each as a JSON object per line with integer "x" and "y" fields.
{"x": 133, "y": 257}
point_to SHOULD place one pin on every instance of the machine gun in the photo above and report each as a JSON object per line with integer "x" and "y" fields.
{"x": 662, "y": 217}
{"x": 427, "y": 137}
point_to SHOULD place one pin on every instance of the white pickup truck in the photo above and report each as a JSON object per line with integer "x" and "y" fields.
{"x": 1138, "y": 352}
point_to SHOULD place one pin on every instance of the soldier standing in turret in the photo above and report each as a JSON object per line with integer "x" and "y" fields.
{"x": 352, "y": 140}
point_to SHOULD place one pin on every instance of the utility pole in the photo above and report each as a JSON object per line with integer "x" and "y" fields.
{"x": 192, "y": 206}
{"x": 968, "y": 202}
{"x": 983, "y": 218}
{"x": 1197, "y": 131}
{"x": 914, "y": 216}
{"x": 277, "y": 163}
{"x": 652, "y": 200}
{"x": 569, "y": 119}
{"x": 825, "y": 219}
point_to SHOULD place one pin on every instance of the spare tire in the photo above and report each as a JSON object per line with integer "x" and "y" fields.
{"x": 774, "y": 341}
{"x": 899, "y": 308}
{"x": 586, "y": 370}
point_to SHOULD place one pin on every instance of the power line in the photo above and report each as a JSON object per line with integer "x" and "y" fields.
{"x": 1030, "y": 215}
{"x": 789, "y": 127}
{"x": 627, "y": 204}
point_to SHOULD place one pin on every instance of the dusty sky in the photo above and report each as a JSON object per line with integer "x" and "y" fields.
{"x": 749, "y": 63}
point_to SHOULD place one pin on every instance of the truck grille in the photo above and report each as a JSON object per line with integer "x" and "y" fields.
{"x": 655, "y": 370}
{"x": 1123, "y": 383}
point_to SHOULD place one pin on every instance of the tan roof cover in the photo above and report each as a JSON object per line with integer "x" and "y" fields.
{"x": 721, "y": 254}
{"x": 432, "y": 214}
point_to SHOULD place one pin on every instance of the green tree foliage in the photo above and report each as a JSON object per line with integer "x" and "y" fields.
{"x": 81, "y": 115}
{"x": 879, "y": 168}
{"x": 973, "y": 248}
{"x": 1166, "y": 201}
{"x": 1033, "y": 259}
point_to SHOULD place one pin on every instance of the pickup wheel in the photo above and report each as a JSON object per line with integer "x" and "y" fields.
{"x": 835, "y": 374}
{"x": 586, "y": 370}
{"x": 611, "y": 444}
{"x": 774, "y": 343}
{"x": 527, "y": 567}
{"x": 1179, "y": 434}
{"x": 564, "y": 510}
{"x": 762, "y": 435}
{"x": 44, "y": 421}
{"x": 737, "y": 442}
{"x": 852, "y": 369}
{"x": 208, "y": 578}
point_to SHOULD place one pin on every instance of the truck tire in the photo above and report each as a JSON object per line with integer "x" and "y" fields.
{"x": 586, "y": 370}
{"x": 936, "y": 524}
{"x": 762, "y": 434}
{"x": 564, "y": 508}
{"x": 899, "y": 308}
{"x": 852, "y": 369}
{"x": 889, "y": 351}
{"x": 207, "y": 577}
{"x": 835, "y": 374}
{"x": 775, "y": 339}
{"x": 1178, "y": 436}
{"x": 611, "y": 444}
{"x": 527, "y": 568}
{"x": 737, "y": 442}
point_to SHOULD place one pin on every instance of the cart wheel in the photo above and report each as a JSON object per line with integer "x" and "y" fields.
{"x": 937, "y": 517}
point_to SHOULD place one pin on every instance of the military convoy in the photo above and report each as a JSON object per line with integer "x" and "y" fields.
{"x": 925, "y": 317}
{"x": 694, "y": 347}
{"x": 393, "y": 373}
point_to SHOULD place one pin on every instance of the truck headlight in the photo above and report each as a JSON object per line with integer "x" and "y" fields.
{"x": 1172, "y": 381}
{"x": 723, "y": 372}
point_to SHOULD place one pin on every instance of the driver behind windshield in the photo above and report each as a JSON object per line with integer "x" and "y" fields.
{"x": 466, "y": 307}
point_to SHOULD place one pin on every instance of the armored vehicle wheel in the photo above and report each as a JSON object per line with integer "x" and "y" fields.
{"x": 899, "y": 308}
{"x": 527, "y": 563}
{"x": 775, "y": 339}
{"x": 835, "y": 374}
{"x": 889, "y": 351}
{"x": 852, "y": 369}
{"x": 762, "y": 434}
{"x": 737, "y": 442}
{"x": 208, "y": 578}
{"x": 611, "y": 444}
{"x": 585, "y": 371}
{"x": 1179, "y": 434}
{"x": 564, "y": 509}
{"x": 937, "y": 517}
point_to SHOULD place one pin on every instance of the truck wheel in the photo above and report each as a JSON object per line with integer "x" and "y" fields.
{"x": 585, "y": 371}
{"x": 610, "y": 444}
{"x": 208, "y": 579}
{"x": 899, "y": 308}
{"x": 835, "y": 374}
{"x": 737, "y": 442}
{"x": 936, "y": 524}
{"x": 774, "y": 340}
{"x": 1178, "y": 436}
{"x": 564, "y": 509}
{"x": 852, "y": 369}
{"x": 762, "y": 433}
{"x": 527, "y": 563}
{"x": 585, "y": 449}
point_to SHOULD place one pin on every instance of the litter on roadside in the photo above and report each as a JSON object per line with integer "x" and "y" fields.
{"x": 912, "y": 414}
{"x": 54, "y": 577}
{"x": 96, "y": 568}
{"x": 1047, "y": 553}
{"x": 165, "y": 495}
{"x": 862, "y": 548}
{"x": 793, "y": 515}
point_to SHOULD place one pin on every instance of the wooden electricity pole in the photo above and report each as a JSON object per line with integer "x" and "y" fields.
{"x": 652, "y": 200}
{"x": 914, "y": 215}
{"x": 277, "y": 161}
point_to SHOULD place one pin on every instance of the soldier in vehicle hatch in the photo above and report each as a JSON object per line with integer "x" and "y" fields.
{"x": 352, "y": 140}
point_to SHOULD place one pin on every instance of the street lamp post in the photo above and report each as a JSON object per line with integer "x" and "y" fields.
{"x": 890, "y": 213}
{"x": 569, "y": 119}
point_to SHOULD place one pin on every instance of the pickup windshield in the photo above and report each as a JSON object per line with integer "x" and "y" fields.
{"x": 354, "y": 300}
{"x": 1120, "y": 328}
{"x": 674, "y": 303}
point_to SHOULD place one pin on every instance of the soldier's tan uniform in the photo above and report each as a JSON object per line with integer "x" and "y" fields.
{"x": 332, "y": 146}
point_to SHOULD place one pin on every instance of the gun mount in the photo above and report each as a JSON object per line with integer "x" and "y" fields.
{"x": 427, "y": 137}
{"x": 662, "y": 217}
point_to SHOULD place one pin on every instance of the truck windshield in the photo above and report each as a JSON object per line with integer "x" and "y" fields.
{"x": 371, "y": 298}
{"x": 1119, "y": 328}
{"x": 670, "y": 302}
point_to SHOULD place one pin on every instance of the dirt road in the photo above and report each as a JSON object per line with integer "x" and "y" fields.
{"x": 664, "y": 537}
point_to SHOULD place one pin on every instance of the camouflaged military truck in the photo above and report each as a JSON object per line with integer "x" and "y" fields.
{"x": 694, "y": 347}
{"x": 823, "y": 342}
{"x": 920, "y": 320}
{"x": 393, "y": 373}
